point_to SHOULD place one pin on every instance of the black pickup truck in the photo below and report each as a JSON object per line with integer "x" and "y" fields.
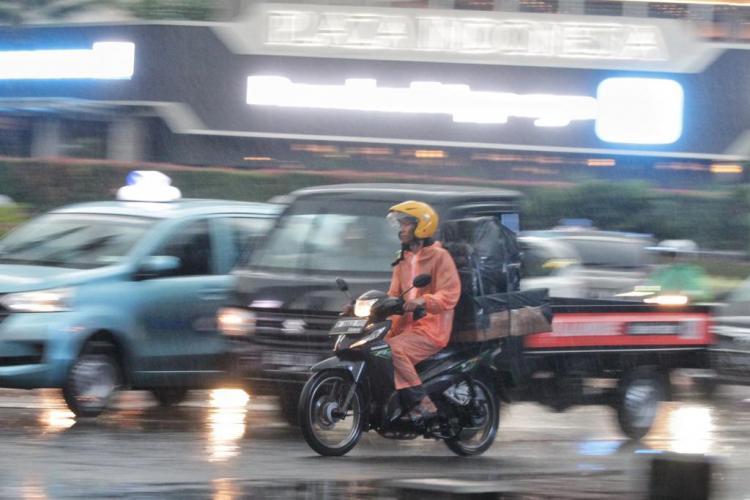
{"x": 289, "y": 284}
{"x": 286, "y": 300}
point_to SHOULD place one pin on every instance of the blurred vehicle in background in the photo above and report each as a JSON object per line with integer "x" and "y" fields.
{"x": 552, "y": 264}
{"x": 610, "y": 262}
{"x": 286, "y": 299}
{"x": 97, "y": 296}
{"x": 730, "y": 357}
{"x": 675, "y": 279}
{"x": 675, "y": 275}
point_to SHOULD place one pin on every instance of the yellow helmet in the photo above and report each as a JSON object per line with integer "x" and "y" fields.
{"x": 425, "y": 216}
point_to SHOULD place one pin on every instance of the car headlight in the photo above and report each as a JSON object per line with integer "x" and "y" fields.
{"x": 668, "y": 300}
{"x": 234, "y": 321}
{"x": 53, "y": 300}
{"x": 362, "y": 308}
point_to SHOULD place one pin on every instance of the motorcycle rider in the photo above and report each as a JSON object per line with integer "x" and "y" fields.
{"x": 411, "y": 340}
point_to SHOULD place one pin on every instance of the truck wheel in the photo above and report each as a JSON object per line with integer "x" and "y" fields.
{"x": 288, "y": 405}
{"x": 169, "y": 396}
{"x": 706, "y": 388}
{"x": 93, "y": 379}
{"x": 639, "y": 396}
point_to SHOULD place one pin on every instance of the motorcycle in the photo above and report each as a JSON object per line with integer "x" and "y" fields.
{"x": 353, "y": 391}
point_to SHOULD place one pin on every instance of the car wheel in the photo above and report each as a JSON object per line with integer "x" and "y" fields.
{"x": 289, "y": 406}
{"x": 93, "y": 379}
{"x": 639, "y": 396}
{"x": 169, "y": 396}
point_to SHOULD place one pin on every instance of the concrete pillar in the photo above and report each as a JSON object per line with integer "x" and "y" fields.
{"x": 45, "y": 138}
{"x": 227, "y": 10}
{"x": 126, "y": 139}
{"x": 570, "y": 7}
{"x": 507, "y": 5}
{"x": 635, "y": 9}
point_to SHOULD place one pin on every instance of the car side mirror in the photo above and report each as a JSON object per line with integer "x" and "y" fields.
{"x": 157, "y": 266}
{"x": 342, "y": 284}
{"x": 422, "y": 281}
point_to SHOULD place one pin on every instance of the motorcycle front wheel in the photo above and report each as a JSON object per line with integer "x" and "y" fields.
{"x": 328, "y": 428}
{"x": 476, "y": 438}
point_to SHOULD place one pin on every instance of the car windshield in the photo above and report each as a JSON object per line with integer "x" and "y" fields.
{"x": 609, "y": 252}
{"x": 73, "y": 240}
{"x": 330, "y": 236}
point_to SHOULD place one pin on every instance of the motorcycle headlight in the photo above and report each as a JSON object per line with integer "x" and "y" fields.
{"x": 235, "y": 322}
{"x": 362, "y": 308}
{"x": 41, "y": 301}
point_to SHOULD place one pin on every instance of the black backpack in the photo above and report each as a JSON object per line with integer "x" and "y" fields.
{"x": 486, "y": 254}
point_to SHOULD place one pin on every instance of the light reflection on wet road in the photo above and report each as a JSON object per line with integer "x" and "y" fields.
{"x": 224, "y": 445}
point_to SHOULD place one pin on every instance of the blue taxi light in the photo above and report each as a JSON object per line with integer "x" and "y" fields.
{"x": 148, "y": 186}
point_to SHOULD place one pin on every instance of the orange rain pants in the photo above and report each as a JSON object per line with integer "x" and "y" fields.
{"x": 413, "y": 341}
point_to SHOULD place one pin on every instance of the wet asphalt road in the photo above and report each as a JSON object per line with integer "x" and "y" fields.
{"x": 221, "y": 446}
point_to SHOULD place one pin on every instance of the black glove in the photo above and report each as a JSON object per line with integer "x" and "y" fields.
{"x": 419, "y": 313}
{"x": 348, "y": 309}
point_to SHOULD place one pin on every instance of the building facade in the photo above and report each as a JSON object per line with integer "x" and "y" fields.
{"x": 522, "y": 96}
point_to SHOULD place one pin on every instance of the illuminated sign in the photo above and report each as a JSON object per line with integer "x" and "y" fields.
{"x": 639, "y": 110}
{"x": 625, "y": 110}
{"x": 468, "y": 37}
{"x": 105, "y": 60}
{"x": 428, "y": 32}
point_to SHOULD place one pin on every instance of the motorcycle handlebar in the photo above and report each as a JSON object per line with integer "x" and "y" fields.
{"x": 419, "y": 313}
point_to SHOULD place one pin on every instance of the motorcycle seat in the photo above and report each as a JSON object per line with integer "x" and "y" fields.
{"x": 440, "y": 356}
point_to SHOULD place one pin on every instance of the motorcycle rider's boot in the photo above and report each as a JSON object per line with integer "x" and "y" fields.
{"x": 409, "y": 397}
{"x": 424, "y": 412}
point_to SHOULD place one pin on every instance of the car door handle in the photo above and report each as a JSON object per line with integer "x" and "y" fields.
{"x": 213, "y": 293}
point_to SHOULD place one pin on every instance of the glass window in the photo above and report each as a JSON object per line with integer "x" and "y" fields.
{"x": 602, "y": 8}
{"x": 246, "y": 232}
{"x": 73, "y": 240}
{"x": 191, "y": 244}
{"x": 533, "y": 262}
{"x": 667, "y": 10}
{"x": 475, "y": 4}
{"x": 538, "y": 6}
{"x": 606, "y": 252}
{"x": 331, "y": 236}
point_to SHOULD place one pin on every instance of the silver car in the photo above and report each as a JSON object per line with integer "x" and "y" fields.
{"x": 610, "y": 262}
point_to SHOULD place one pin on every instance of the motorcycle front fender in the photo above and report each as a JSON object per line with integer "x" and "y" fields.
{"x": 335, "y": 363}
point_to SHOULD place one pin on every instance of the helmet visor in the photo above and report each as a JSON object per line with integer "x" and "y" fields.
{"x": 395, "y": 219}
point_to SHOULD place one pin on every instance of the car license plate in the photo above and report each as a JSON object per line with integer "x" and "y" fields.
{"x": 349, "y": 326}
{"x": 290, "y": 360}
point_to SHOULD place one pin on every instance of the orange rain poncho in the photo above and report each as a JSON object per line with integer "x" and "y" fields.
{"x": 413, "y": 341}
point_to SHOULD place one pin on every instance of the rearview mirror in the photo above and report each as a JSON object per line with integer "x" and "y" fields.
{"x": 342, "y": 284}
{"x": 156, "y": 266}
{"x": 422, "y": 281}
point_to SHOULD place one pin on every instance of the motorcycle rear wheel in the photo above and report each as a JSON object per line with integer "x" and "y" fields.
{"x": 325, "y": 427}
{"x": 476, "y": 440}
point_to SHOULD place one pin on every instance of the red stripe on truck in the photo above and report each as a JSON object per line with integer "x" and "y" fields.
{"x": 624, "y": 330}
